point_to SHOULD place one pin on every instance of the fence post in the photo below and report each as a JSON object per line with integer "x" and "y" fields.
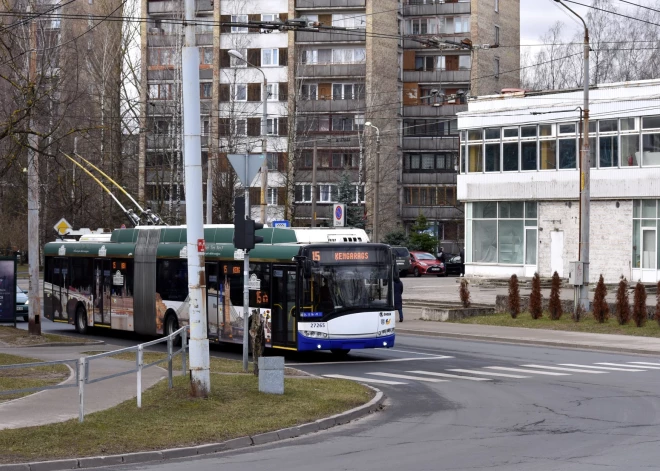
{"x": 139, "y": 376}
{"x": 169, "y": 361}
{"x": 184, "y": 347}
{"x": 80, "y": 376}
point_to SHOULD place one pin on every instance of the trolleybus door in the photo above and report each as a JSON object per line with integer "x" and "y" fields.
{"x": 284, "y": 295}
{"x": 213, "y": 300}
{"x": 102, "y": 291}
{"x": 60, "y": 280}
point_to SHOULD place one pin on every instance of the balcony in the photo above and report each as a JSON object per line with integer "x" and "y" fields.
{"x": 353, "y": 36}
{"x": 411, "y": 44}
{"x": 336, "y": 141}
{"x": 161, "y": 8}
{"x": 331, "y": 70}
{"x": 424, "y": 111}
{"x": 437, "y": 76}
{"x": 330, "y": 3}
{"x": 437, "y": 213}
{"x": 429, "y": 178}
{"x": 430, "y": 143}
{"x": 204, "y": 7}
{"x": 160, "y": 142}
{"x": 331, "y": 106}
{"x": 417, "y": 8}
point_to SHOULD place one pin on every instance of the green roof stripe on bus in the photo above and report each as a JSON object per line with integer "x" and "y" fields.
{"x": 219, "y": 235}
{"x": 90, "y": 249}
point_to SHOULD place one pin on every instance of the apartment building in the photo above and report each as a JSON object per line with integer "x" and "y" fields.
{"x": 346, "y": 99}
{"x": 437, "y": 82}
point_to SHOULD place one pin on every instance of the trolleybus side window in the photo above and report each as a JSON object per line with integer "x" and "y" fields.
{"x": 81, "y": 275}
{"x": 172, "y": 279}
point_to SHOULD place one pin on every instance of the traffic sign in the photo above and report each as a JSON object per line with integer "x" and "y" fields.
{"x": 281, "y": 223}
{"x": 62, "y": 226}
{"x": 339, "y": 214}
{"x": 240, "y": 161}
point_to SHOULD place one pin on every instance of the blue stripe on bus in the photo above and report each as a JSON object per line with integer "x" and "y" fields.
{"x": 307, "y": 344}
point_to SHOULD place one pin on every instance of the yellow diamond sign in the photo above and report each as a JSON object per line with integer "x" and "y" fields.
{"x": 62, "y": 226}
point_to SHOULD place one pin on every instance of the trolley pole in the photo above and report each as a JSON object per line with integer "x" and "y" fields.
{"x": 192, "y": 151}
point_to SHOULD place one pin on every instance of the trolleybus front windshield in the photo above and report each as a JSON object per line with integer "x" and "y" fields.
{"x": 344, "y": 281}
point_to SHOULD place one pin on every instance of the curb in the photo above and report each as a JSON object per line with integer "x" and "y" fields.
{"x": 62, "y": 344}
{"x": 370, "y": 407}
{"x": 515, "y": 341}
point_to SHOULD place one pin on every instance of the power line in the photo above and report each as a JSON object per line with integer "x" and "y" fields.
{"x": 613, "y": 13}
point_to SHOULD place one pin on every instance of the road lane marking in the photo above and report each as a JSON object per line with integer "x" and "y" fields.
{"x": 642, "y": 363}
{"x": 488, "y": 373}
{"x": 628, "y": 366}
{"x": 446, "y": 375}
{"x": 364, "y": 380}
{"x": 416, "y": 353}
{"x": 413, "y": 378}
{"x": 520, "y": 370}
{"x": 357, "y": 362}
{"x": 572, "y": 370}
{"x": 601, "y": 367}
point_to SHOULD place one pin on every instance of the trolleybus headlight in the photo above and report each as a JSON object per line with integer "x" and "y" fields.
{"x": 325, "y": 336}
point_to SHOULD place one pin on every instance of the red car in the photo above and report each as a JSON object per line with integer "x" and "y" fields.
{"x": 423, "y": 263}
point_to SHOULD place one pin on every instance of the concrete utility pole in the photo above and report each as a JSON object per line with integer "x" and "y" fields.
{"x": 34, "y": 306}
{"x": 585, "y": 176}
{"x": 192, "y": 151}
{"x": 375, "y": 237}
{"x": 314, "y": 161}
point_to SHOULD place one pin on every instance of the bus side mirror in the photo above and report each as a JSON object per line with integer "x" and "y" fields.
{"x": 307, "y": 267}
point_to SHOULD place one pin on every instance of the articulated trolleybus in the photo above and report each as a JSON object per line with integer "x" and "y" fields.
{"x": 319, "y": 289}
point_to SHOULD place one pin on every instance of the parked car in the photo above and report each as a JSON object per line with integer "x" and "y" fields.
{"x": 21, "y": 304}
{"x": 453, "y": 265}
{"x": 424, "y": 263}
{"x": 402, "y": 257}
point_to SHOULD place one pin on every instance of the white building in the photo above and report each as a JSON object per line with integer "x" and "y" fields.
{"x": 519, "y": 180}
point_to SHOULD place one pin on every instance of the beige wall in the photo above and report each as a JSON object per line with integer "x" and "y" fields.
{"x": 482, "y": 27}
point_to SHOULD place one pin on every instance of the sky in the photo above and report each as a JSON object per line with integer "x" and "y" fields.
{"x": 536, "y": 17}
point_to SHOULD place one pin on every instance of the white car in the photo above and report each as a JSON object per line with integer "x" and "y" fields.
{"x": 21, "y": 304}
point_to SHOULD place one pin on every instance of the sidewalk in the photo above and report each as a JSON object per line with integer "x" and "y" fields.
{"x": 59, "y": 405}
{"x": 554, "y": 338}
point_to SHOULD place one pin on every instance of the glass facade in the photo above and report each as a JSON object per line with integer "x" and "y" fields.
{"x": 503, "y": 232}
{"x": 646, "y": 233}
{"x": 614, "y": 143}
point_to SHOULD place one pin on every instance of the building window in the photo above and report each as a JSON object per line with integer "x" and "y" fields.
{"x": 502, "y": 232}
{"x": 269, "y": 57}
{"x": 271, "y": 126}
{"x": 303, "y": 193}
{"x": 239, "y": 19}
{"x": 464, "y": 62}
{"x": 206, "y": 90}
{"x": 497, "y": 34}
{"x": 608, "y": 143}
{"x": 273, "y": 91}
{"x": 240, "y": 91}
{"x": 240, "y": 127}
{"x": 327, "y": 193}
{"x": 418, "y": 26}
{"x": 349, "y": 20}
{"x": 309, "y": 91}
{"x": 271, "y": 197}
{"x": 270, "y": 17}
{"x": 206, "y": 58}
{"x": 497, "y": 67}
{"x": 272, "y": 160}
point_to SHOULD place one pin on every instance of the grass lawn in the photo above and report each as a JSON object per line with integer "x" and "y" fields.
{"x": 170, "y": 418}
{"x": 28, "y": 377}
{"x": 587, "y": 324}
{"x": 218, "y": 365}
{"x": 9, "y": 336}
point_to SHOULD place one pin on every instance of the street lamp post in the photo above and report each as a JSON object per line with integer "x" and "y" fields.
{"x": 264, "y": 134}
{"x": 585, "y": 169}
{"x": 376, "y": 182}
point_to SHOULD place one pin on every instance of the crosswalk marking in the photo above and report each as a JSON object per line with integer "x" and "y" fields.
{"x": 628, "y": 366}
{"x": 364, "y": 380}
{"x": 572, "y": 370}
{"x": 446, "y": 375}
{"x": 488, "y": 373}
{"x": 643, "y": 363}
{"x": 611, "y": 368}
{"x": 414, "y": 378}
{"x": 520, "y": 370}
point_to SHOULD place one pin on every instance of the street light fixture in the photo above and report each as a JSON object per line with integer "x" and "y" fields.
{"x": 264, "y": 134}
{"x": 376, "y": 182}
{"x": 585, "y": 185}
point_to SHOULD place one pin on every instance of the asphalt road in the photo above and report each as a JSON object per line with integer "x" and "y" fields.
{"x": 497, "y": 413}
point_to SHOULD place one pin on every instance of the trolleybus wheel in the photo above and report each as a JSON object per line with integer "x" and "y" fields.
{"x": 171, "y": 326}
{"x": 81, "y": 320}
{"x": 342, "y": 352}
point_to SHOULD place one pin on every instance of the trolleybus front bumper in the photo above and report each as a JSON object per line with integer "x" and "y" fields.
{"x": 307, "y": 343}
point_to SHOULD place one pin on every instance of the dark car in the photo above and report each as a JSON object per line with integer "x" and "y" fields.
{"x": 424, "y": 263}
{"x": 453, "y": 264}
{"x": 402, "y": 257}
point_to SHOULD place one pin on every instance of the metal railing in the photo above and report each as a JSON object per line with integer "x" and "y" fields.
{"x": 82, "y": 366}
